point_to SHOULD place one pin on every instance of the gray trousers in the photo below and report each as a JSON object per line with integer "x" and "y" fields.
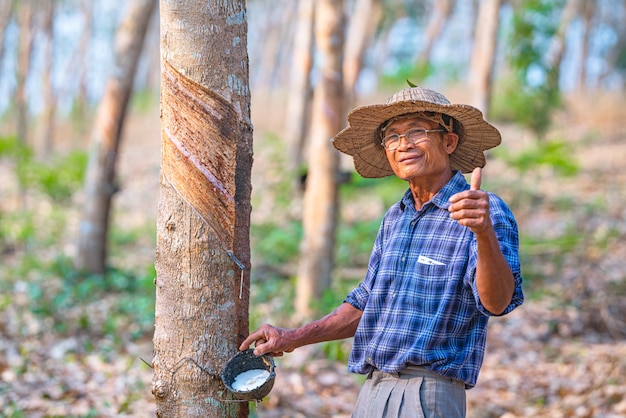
{"x": 412, "y": 393}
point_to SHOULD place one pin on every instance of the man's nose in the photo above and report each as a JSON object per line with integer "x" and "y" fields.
{"x": 404, "y": 142}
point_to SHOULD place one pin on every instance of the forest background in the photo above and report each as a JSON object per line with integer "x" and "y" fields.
{"x": 73, "y": 344}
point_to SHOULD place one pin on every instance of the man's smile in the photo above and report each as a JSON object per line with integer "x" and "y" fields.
{"x": 408, "y": 158}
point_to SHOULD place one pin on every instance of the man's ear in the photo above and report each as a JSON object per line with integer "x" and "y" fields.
{"x": 450, "y": 142}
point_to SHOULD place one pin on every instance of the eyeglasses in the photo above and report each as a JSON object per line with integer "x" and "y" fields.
{"x": 413, "y": 136}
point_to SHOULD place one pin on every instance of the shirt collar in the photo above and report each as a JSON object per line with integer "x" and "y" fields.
{"x": 455, "y": 185}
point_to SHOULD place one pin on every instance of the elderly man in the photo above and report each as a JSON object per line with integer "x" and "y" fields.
{"x": 445, "y": 260}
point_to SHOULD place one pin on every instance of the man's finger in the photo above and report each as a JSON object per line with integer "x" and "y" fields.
{"x": 476, "y": 178}
{"x": 254, "y": 337}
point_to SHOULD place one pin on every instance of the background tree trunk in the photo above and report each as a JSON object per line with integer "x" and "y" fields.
{"x": 275, "y": 30}
{"x": 48, "y": 89}
{"x": 363, "y": 23}
{"x": 5, "y": 17}
{"x": 25, "y": 15}
{"x": 438, "y": 18}
{"x": 299, "y": 95}
{"x": 81, "y": 98}
{"x": 203, "y": 220}
{"x": 483, "y": 55}
{"x": 106, "y": 137}
{"x": 320, "y": 198}
{"x": 588, "y": 10}
{"x": 558, "y": 44}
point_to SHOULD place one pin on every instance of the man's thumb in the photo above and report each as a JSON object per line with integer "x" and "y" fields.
{"x": 476, "y": 178}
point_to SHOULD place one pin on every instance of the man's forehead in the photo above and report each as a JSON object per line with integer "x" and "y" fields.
{"x": 413, "y": 118}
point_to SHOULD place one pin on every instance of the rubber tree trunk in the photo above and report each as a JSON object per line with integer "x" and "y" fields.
{"x": 588, "y": 11}
{"x": 203, "y": 220}
{"x": 364, "y": 20}
{"x": 320, "y": 198}
{"x": 299, "y": 97}
{"x": 5, "y": 17}
{"x": 100, "y": 183}
{"x": 440, "y": 14}
{"x": 25, "y": 13}
{"x": 80, "y": 64}
{"x": 483, "y": 55}
{"x": 47, "y": 87}
{"x": 556, "y": 52}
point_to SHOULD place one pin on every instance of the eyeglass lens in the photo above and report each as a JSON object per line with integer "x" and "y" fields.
{"x": 414, "y": 135}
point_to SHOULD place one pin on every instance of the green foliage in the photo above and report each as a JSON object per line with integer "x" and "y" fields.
{"x": 532, "y": 94}
{"x": 536, "y": 251}
{"x": 28, "y": 229}
{"x": 58, "y": 178}
{"x": 355, "y": 239}
{"x": 554, "y": 154}
{"x": 333, "y": 297}
{"x": 12, "y": 147}
{"x": 271, "y": 296}
{"x": 354, "y": 242}
{"x": 338, "y": 350}
{"x": 124, "y": 241}
{"x": 419, "y": 74}
{"x": 81, "y": 113}
{"x": 32, "y": 229}
{"x": 388, "y": 189}
{"x": 144, "y": 100}
{"x": 13, "y": 410}
{"x": 124, "y": 236}
{"x": 279, "y": 177}
{"x": 620, "y": 60}
{"x": 16, "y": 228}
{"x": 276, "y": 244}
{"x": 416, "y": 72}
{"x": 60, "y": 292}
{"x": 535, "y": 22}
{"x": 530, "y": 106}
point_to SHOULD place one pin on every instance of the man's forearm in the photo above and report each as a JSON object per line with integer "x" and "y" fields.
{"x": 339, "y": 324}
{"x": 494, "y": 279}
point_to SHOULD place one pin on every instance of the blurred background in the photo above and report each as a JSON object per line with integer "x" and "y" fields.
{"x": 550, "y": 74}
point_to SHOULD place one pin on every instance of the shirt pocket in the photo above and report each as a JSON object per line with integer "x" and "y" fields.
{"x": 428, "y": 268}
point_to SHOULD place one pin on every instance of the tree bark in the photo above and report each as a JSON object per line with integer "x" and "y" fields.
{"x": 25, "y": 15}
{"x": 81, "y": 98}
{"x": 363, "y": 24}
{"x": 483, "y": 55}
{"x": 558, "y": 43}
{"x": 5, "y": 17}
{"x": 275, "y": 29}
{"x": 438, "y": 18}
{"x": 320, "y": 198}
{"x": 299, "y": 88}
{"x": 203, "y": 221}
{"x": 100, "y": 183}
{"x": 588, "y": 12}
{"x": 48, "y": 90}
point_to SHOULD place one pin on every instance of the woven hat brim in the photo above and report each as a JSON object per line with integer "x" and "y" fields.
{"x": 358, "y": 138}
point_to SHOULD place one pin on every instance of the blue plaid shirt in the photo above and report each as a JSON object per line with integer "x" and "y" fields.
{"x": 419, "y": 298}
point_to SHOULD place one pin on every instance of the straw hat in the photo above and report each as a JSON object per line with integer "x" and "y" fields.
{"x": 361, "y": 138}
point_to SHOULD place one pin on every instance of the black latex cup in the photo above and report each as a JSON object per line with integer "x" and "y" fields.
{"x": 242, "y": 362}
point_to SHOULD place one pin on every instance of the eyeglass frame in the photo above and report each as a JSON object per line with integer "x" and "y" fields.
{"x": 426, "y": 131}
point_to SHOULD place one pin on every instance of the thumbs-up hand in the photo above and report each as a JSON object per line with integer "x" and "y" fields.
{"x": 470, "y": 208}
{"x": 475, "y": 180}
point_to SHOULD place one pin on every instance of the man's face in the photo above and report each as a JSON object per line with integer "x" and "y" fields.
{"x": 429, "y": 157}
